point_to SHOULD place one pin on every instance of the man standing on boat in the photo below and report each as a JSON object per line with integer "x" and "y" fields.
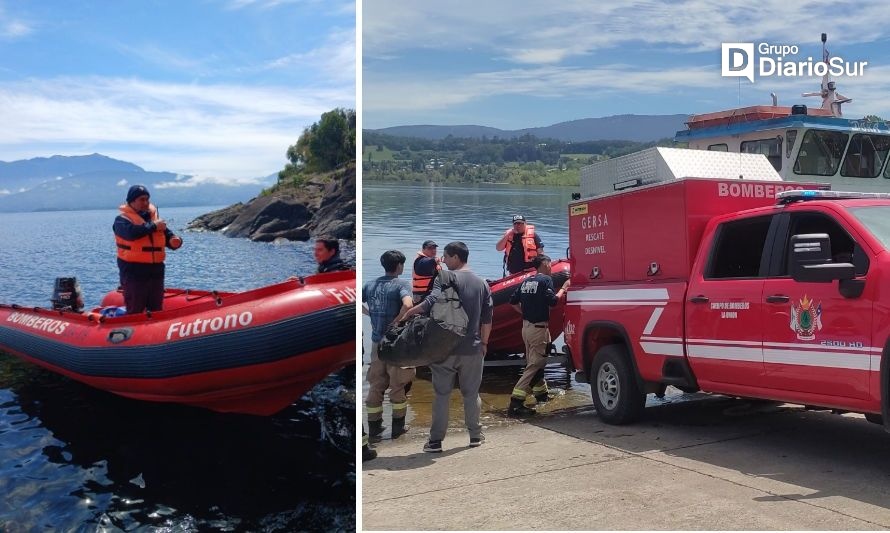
{"x": 520, "y": 245}
{"x": 426, "y": 266}
{"x": 467, "y": 358}
{"x": 141, "y": 237}
{"x": 327, "y": 255}
{"x": 387, "y": 298}
{"x": 533, "y": 299}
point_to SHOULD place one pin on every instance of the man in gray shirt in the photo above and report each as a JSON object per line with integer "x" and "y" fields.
{"x": 467, "y": 358}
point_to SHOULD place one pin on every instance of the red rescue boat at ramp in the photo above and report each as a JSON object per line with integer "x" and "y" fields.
{"x": 252, "y": 352}
{"x": 506, "y": 323}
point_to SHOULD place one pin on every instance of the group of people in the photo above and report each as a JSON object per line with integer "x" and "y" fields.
{"x": 142, "y": 238}
{"x": 389, "y": 300}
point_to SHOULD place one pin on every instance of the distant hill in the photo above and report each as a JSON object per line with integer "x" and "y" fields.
{"x": 638, "y": 128}
{"x": 440, "y": 132}
{"x": 100, "y": 182}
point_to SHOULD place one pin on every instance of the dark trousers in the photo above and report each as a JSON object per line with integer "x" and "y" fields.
{"x": 141, "y": 294}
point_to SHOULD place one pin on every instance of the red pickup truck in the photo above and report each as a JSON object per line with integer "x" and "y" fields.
{"x": 748, "y": 289}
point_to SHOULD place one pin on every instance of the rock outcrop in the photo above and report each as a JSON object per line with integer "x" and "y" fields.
{"x": 322, "y": 205}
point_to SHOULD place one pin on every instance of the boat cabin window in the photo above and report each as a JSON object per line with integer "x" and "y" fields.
{"x": 771, "y": 148}
{"x": 865, "y": 156}
{"x": 790, "y": 137}
{"x": 718, "y": 147}
{"x": 820, "y": 152}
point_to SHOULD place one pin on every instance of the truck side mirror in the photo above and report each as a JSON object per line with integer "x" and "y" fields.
{"x": 811, "y": 260}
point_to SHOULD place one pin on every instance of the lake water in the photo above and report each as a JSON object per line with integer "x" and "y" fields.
{"x": 75, "y": 458}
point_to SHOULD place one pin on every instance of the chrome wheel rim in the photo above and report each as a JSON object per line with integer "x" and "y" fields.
{"x": 608, "y": 387}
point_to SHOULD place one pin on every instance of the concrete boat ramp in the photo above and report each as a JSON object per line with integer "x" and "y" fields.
{"x": 710, "y": 463}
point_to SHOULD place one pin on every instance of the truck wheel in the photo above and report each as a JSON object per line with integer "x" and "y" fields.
{"x": 614, "y": 388}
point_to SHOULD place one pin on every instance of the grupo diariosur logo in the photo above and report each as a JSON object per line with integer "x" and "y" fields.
{"x": 739, "y": 61}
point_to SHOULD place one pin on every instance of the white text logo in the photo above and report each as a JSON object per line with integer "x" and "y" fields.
{"x": 738, "y": 60}
{"x": 50, "y": 325}
{"x": 204, "y": 325}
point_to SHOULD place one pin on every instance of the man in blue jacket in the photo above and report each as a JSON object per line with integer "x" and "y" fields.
{"x": 141, "y": 237}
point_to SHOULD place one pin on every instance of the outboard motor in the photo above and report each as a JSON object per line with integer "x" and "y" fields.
{"x": 67, "y": 295}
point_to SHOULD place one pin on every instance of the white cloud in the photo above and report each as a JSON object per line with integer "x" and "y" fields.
{"x": 525, "y": 31}
{"x": 330, "y": 7}
{"x": 159, "y": 56}
{"x": 230, "y": 131}
{"x": 5, "y": 191}
{"x": 122, "y": 183}
{"x": 11, "y": 27}
{"x": 520, "y": 48}
{"x": 186, "y": 182}
{"x": 335, "y": 59}
{"x": 265, "y": 4}
{"x": 426, "y": 93}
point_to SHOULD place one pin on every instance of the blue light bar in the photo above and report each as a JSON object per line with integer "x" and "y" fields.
{"x": 788, "y": 197}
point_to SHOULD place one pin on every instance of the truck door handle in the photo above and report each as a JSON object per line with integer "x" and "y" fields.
{"x": 777, "y": 299}
{"x": 700, "y": 299}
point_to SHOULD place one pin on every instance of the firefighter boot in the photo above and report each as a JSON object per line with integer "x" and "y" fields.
{"x": 375, "y": 429}
{"x": 518, "y": 409}
{"x": 368, "y": 453}
{"x": 398, "y": 427}
{"x": 543, "y": 397}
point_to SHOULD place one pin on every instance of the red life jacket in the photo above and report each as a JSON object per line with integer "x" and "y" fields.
{"x": 421, "y": 285}
{"x": 146, "y": 249}
{"x": 528, "y": 243}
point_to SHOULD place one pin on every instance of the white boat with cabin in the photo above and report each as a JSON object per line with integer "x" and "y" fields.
{"x": 801, "y": 143}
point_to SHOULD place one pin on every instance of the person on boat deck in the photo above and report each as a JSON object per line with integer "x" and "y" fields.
{"x": 520, "y": 245}
{"x": 533, "y": 299}
{"x": 426, "y": 266}
{"x": 386, "y": 300}
{"x": 141, "y": 237}
{"x": 327, "y": 255}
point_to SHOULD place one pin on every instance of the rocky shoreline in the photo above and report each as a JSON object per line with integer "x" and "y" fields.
{"x": 322, "y": 205}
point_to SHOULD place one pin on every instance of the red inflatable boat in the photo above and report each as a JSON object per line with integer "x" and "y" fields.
{"x": 252, "y": 352}
{"x": 506, "y": 324}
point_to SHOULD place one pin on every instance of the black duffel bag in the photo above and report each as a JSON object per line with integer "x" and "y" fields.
{"x": 426, "y": 340}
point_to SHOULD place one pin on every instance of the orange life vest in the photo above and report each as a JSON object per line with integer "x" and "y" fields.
{"x": 147, "y": 249}
{"x": 421, "y": 285}
{"x": 528, "y": 243}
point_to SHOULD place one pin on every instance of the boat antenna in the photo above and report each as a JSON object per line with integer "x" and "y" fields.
{"x": 831, "y": 99}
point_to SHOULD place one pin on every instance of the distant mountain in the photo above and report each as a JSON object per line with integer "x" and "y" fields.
{"x": 100, "y": 182}
{"x": 440, "y": 132}
{"x": 30, "y": 172}
{"x": 639, "y": 128}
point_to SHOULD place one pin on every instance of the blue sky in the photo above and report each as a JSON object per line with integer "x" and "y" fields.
{"x": 522, "y": 63}
{"x": 213, "y": 88}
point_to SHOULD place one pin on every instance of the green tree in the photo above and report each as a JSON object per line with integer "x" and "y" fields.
{"x": 324, "y": 145}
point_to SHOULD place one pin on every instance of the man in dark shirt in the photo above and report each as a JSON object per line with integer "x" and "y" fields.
{"x": 533, "y": 298}
{"x": 327, "y": 255}
{"x": 520, "y": 245}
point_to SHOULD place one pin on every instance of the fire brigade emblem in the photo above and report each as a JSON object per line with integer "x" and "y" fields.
{"x": 806, "y": 318}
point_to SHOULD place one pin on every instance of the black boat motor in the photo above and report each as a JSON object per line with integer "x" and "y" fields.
{"x": 67, "y": 295}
